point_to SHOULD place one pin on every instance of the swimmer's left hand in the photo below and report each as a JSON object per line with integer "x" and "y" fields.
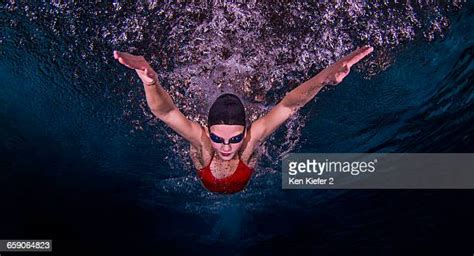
{"x": 336, "y": 72}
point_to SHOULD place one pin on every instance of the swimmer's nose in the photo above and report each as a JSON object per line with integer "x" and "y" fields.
{"x": 228, "y": 147}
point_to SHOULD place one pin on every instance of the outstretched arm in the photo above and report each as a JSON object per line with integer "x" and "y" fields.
{"x": 159, "y": 101}
{"x": 302, "y": 94}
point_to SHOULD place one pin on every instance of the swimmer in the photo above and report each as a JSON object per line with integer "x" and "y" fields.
{"x": 224, "y": 151}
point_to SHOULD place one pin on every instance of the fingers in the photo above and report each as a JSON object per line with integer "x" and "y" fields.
{"x": 125, "y": 55}
{"x": 123, "y": 62}
{"x": 358, "y": 55}
{"x": 130, "y": 60}
{"x": 118, "y": 54}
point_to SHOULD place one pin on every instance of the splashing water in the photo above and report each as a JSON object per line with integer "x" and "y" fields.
{"x": 257, "y": 50}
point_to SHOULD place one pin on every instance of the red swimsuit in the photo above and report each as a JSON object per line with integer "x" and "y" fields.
{"x": 230, "y": 184}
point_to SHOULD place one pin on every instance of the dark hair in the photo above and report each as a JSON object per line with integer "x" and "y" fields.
{"x": 227, "y": 109}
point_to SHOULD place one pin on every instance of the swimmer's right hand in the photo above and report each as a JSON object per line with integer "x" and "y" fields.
{"x": 141, "y": 66}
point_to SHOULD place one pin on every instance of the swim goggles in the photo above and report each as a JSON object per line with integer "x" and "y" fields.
{"x": 233, "y": 140}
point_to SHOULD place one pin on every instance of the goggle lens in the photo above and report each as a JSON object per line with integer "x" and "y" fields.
{"x": 233, "y": 140}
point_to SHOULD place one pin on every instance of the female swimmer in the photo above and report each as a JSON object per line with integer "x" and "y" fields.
{"x": 224, "y": 151}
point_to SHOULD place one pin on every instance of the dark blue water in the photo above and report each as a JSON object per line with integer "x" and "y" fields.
{"x": 83, "y": 162}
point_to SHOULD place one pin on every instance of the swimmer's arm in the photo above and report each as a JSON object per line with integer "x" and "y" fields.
{"x": 157, "y": 98}
{"x": 299, "y": 96}
{"x": 267, "y": 124}
{"x": 159, "y": 101}
{"x": 191, "y": 131}
{"x": 333, "y": 75}
{"x": 162, "y": 106}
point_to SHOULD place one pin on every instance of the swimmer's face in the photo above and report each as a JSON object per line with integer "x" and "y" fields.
{"x": 231, "y": 138}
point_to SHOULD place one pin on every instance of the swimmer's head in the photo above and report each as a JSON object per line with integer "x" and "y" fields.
{"x": 226, "y": 125}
